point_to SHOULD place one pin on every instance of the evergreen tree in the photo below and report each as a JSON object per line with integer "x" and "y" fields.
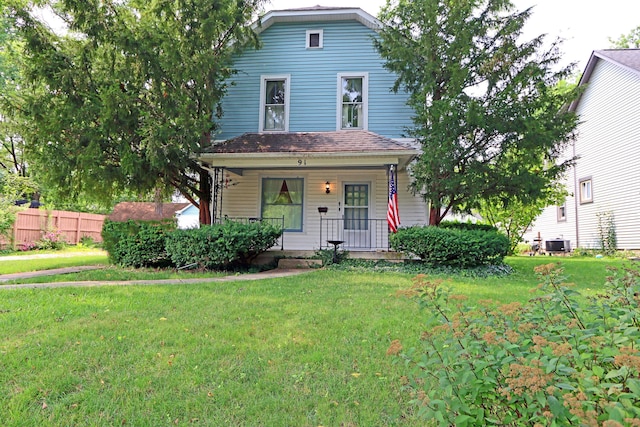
{"x": 129, "y": 94}
{"x": 486, "y": 113}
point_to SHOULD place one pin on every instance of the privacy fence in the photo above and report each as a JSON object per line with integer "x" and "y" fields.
{"x": 32, "y": 224}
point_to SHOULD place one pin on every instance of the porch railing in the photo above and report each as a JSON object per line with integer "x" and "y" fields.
{"x": 278, "y": 222}
{"x": 363, "y": 234}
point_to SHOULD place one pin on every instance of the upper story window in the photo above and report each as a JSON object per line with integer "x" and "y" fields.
{"x": 586, "y": 190}
{"x": 314, "y": 39}
{"x": 352, "y": 101}
{"x": 274, "y": 105}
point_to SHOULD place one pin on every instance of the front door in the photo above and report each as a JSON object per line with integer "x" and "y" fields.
{"x": 357, "y": 229}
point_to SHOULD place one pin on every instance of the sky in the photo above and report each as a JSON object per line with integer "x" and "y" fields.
{"x": 583, "y": 25}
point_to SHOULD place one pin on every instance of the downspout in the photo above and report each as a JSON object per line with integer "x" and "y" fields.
{"x": 576, "y": 194}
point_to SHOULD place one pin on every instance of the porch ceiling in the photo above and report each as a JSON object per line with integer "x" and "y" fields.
{"x": 308, "y": 149}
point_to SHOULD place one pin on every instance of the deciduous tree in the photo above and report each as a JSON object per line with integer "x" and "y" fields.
{"x": 486, "y": 113}
{"x": 630, "y": 40}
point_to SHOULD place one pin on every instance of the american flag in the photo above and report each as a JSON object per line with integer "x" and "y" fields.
{"x": 393, "y": 218}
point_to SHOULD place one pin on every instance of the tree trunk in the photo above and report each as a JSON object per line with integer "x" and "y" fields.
{"x": 205, "y": 197}
{"x": 434, "y": 216}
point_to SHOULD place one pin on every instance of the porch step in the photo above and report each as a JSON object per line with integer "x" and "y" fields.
{"x": 289, "y": 263}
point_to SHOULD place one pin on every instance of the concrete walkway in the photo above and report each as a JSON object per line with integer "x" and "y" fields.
{"x": 270, "y": 274}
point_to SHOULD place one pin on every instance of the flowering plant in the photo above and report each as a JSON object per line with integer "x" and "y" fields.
{"x": 51, "y": 239}
{"x": 561, "y": 359}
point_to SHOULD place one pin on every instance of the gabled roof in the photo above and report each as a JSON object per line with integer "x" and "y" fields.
{"x": 348, "y": 141}
{"x": 145, "y": 211}
{"x": 315, "y": 14}
{"x": 628, "y": 59}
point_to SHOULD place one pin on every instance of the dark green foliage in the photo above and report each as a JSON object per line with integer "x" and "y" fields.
{"x": 137, "y": 243}
{"x": 487, "y": 112}
{"x": 451, "y": 246}
{"x": 327, "y": 256}
{"x": 129, "y": 98}
{"x": 455, "y": 225}
{"x": 221, "y": 246}
{"x": 420, "y": 267}
{"x": 559, "y": 360}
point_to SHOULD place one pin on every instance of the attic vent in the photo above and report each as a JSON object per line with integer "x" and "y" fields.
{"x": 314, "y": 39}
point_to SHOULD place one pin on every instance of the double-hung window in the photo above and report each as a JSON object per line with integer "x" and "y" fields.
{"x": 274, "y": 105}
{"x": 282, "y": 198}
{"x": 352, "y": 101}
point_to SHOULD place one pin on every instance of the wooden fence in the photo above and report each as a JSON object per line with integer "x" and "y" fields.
{"x": 32, "y": 224}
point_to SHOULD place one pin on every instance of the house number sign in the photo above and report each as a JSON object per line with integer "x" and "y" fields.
{"x": 302, "y": 162}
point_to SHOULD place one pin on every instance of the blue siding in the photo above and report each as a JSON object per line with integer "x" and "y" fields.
{"x": 313, "y": 88}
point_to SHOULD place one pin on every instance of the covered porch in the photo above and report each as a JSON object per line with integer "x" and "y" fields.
{"x": 322, "y": 186}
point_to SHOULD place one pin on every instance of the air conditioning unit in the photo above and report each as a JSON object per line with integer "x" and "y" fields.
{"x": 557, "y": 245}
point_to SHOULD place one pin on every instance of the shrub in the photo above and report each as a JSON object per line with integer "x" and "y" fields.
{"x": 137, "y": 243}
{"x": 558, "y": 360}
{"x": 221, "y": 246}
{"x": 51, "y": 239}
{"x": 456, "y": 225}
{"x": 452, "y": 246}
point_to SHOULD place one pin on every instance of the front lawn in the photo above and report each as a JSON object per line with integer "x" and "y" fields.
{"x": 11, "y": 265}
{"x": 308, "y": 350}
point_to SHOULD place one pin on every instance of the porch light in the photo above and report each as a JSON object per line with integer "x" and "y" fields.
{"x": 327, "y": 187}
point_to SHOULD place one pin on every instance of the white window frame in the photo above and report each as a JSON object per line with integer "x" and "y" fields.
{"x": 301, "y": 204}
{"x": 584, "y": 184}
{"x": 320, "y": 41}
{"x": 365, "y": 100}
{"x": 287, "y": 94}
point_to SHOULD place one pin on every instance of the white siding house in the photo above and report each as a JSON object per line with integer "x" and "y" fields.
{"x": 605, "y": 181}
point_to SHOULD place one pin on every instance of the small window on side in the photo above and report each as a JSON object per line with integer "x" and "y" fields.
{"x": 314, "y": 39}
{"x": 586, "y": 190}
{"x": 562, "y": 212}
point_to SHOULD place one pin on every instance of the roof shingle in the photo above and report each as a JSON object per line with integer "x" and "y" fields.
{"x": 307, "y": 142}
{"x": 629, "y": 58}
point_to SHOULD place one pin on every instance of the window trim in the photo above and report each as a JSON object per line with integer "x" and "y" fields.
{"x": 365, "y": 99}
{"x": 583, "y": 199}
{"x": 320, "y": 41}
{"x": 301, "y": 204}
{"x": 560, "y": 216}
{"x": 368, "y": 206}
{"x": 287, "y": 97}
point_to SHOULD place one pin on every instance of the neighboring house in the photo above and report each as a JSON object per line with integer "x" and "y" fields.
{"x": 146, "y": 211}
{"x": 312, "y": 133}
{"x": 188, "y": 217}
{"x": 604, "y": 185}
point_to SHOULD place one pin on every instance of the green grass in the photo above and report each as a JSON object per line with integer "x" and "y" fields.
{"x": 21, "y": 266}
{"x": 307, "y": 350}
{"x": 303, "y": 351}
{"x": 114, "y": 273}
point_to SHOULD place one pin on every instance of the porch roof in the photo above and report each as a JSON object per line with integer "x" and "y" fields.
{"x": 327, "y": 149}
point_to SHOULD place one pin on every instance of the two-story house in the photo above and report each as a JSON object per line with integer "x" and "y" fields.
{"x": 604, "y": 185}
{"x": 313, "y": 134}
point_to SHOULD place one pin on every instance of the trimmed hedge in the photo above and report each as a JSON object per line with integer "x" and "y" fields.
{"x": 137, "y": 243}
{"x": 452, "y": 246}
{"x": 456, "y": 225}
{"x": 221, "y": 246}
{"x": 160, "y": 244}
